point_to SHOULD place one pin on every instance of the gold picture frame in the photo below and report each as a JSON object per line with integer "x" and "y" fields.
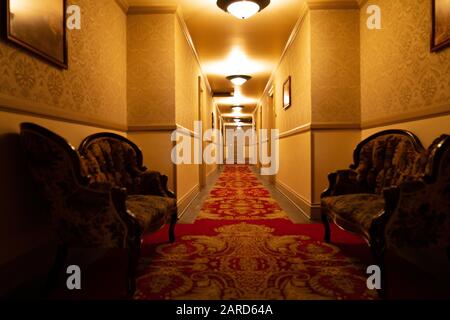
{"x": 440, "y": 37}
{"x": 287, "y": 96}
{"x": 39, "y": 27}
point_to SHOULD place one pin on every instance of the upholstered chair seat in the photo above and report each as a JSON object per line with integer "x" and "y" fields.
{"x": 110, "y": 160}
{"x": 396, "y": 196}
{"x": 100, "y": 196}
{"x": 355, "y": 211}
{"x": 149, "y": 210}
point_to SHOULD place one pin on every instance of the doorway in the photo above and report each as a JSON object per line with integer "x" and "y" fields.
{"x": 271, "y": 124}
{"x": 202, "y": 117}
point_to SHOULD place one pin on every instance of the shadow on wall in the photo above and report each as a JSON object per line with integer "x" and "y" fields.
{"x": 25, "y": 234}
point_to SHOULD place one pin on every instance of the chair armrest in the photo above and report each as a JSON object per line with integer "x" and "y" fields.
{"x": 154, "y": 183}
{"x": 343, "y": 182}
{"x": 95, "y": 218}
{"x": 418, "y": 227}
{"x": 420, "y": 218}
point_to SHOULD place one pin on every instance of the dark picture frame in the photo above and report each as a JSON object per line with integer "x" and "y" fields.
{"x": 213, "y": 121}
{"x": 287, "y": 96}
{"x": 39, "y": 27}
{"x": 440, "y": 37}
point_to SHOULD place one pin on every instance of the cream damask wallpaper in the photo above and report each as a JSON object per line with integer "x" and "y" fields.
{"x": 94, "y": 86}
{"x": 297, "y": 64}
{"x": 323, "y": 62}
{"x": 151, "y": 69}
{"x": 335, "y": 66}
{"x": 399, "y": 74}
{"x": 187, "y": 72}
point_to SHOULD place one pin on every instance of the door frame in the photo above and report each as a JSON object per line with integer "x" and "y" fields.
{"x": 201, "y": 118}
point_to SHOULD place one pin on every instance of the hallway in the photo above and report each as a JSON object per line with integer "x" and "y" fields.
{"x": 238, "y": 128}
{"x": 244, "y": 246}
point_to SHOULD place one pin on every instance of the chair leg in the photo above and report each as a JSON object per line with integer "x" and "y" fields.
{"x": 326, "y": 225}
{"x": 58, "y": 264}
{"x": 133, "y": 258}
{"x": 173, "y": 222}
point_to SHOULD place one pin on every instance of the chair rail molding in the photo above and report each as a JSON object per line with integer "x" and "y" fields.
{"x": 27, "y": 107}
{"x": 319, "y": 126}
{"x": 427, "y": 113}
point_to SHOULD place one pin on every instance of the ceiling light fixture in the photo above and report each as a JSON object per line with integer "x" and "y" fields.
{"x": 237, "y": 109}
{"x": 239, "y": 80}
{"x": 237, "y": 120}
{"x": 242, "y": 9}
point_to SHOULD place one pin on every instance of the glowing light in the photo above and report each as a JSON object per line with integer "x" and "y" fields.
{"x": 237, "y": 63}
{"x": 243, "y": 9}
{"x": 239, "y": 80}
{"x": 237, "y": 109}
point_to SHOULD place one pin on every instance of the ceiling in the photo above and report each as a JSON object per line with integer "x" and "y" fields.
{"x": 227, "y": 45}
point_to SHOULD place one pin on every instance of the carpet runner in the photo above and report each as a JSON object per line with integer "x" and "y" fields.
{"x": 244, "y": 247}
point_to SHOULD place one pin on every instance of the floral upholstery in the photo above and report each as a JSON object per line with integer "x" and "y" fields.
{"x": 150, "y": 211}
{"x": 81, "y": 191}
{"x": 397, "y": 195}
{"x": 388, "y": 161}
{"x": 419, "y": 230}
{"x": 86, "y": 193}
{"x": 355, "y": 211}
{"x": 112, "y": 161}
{"x": 82, "y": 217}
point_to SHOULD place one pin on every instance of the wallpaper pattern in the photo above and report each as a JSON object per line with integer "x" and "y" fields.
{"x": 95, "y": 83}
{"x": 297, "y": 64}
{"x": 399, "y": 73}
{"x": 335, "y": 66}
{"x": 151, "y": 69}
{"x": 186, "y": 82}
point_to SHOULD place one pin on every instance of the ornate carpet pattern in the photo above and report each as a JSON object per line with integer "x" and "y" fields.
{"x": 238, "y": 250}
{"x": 239, "y": 195}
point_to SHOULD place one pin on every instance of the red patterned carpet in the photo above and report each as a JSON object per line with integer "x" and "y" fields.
{"x": 244, "y": 247}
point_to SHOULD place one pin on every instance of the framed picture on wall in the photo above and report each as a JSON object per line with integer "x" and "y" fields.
{"x": 440, "y": 38}
{"x": 39, "y": 27}
{"x": 287, "y": 98}
{"x": 213, "y": 121}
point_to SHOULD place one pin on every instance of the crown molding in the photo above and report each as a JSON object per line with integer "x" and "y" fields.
{"x": 330, "y": 5}
{"x": 124, "y": 5}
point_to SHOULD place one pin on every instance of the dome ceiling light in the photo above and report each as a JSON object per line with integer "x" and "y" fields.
{"x": 239, "y": 80}
{"x": 237, "y": 109}
{"x": 242, "y": 9}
